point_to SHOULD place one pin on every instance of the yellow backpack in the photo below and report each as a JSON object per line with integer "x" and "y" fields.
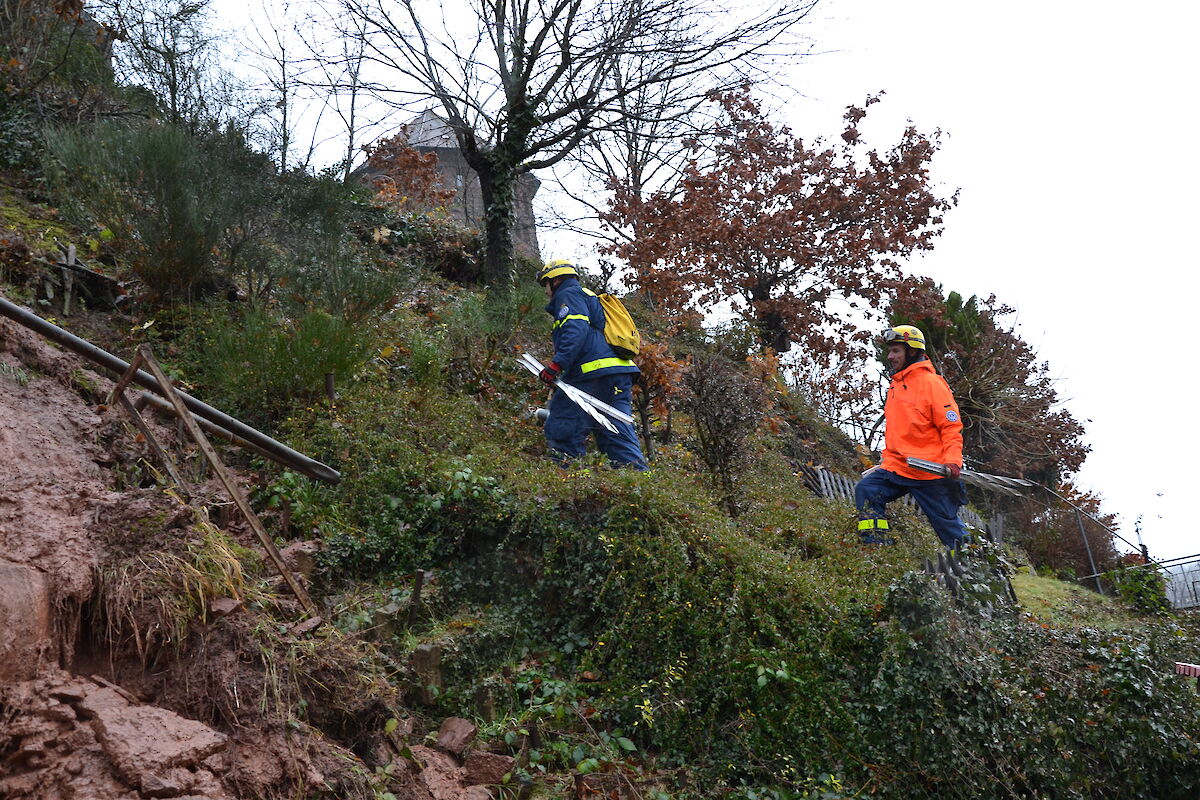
{"x": 619, "y": 331}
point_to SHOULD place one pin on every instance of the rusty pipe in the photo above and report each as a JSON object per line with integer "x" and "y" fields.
{"x": 263, "y": 444}
{"x": 159, "y": 404}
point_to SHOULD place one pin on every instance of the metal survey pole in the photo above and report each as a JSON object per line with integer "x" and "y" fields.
{"x": 1088, "y": 547}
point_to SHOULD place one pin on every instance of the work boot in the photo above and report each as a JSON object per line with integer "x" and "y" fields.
{"x": 875, "y": 530}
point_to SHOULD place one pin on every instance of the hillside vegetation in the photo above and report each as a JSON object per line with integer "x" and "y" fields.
{"x": 625, "y": 626}
{"x": 711, "y": 628}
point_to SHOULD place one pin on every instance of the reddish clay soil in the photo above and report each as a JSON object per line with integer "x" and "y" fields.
{"x": 89, "y": 713}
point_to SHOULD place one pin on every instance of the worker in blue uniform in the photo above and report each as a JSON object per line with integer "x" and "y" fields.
{"x": 584, "y": 359}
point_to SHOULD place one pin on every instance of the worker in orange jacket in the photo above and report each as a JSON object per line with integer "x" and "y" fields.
{"x": 922, "y": 421}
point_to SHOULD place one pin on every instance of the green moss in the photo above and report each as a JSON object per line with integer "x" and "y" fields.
{"x": 34, "y": 223}
{"x": 84, "y": 383}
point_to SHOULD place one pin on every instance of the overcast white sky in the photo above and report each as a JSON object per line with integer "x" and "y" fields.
{"x": 1071, "y": 132}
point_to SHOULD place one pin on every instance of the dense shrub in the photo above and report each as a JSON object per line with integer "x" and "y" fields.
{"x": 16, "y": 259}
{"x": 20, "y": 134}
{"x": 318, "y": 235}
{"x": 959, "y": 705}
{"x": 340, "y": 279}
{"x": 416, "y": 491}
{"x": 468, "y": 343}
{"x": 1143, "y": 589}
{"x": 151, "y": 187}
{"x": 481, "y": 328}
{"x": 194, "y": 213}
{"x": 52, "y": 51}
{"x": 436, "y": 243}
{"x": 261, "y": 367}
{"x": 726, "y": 407}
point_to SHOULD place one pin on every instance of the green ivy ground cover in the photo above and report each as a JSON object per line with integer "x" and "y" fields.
{"x": 767, "y": 656}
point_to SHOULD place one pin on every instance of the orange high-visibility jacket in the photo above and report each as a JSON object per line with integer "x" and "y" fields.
{"x": 922, "y": 421}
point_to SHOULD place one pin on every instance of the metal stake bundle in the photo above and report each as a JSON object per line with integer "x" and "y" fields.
{"x": 596, "y": 409}
{"x": 995, "y": 483}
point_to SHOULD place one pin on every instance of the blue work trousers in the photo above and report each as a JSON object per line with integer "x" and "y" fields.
{"x": 939, "y": 498}
{"x": 568, "y": 425}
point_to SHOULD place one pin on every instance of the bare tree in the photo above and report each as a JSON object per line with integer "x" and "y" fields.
{"x": 346, "y": 91}
{"x": 309, "y": 69}
{"x": 277, "y": 67}
{"x": 169, "y": 47}
{"x": 284, "y": 66}
{"x": 523, "y": 84}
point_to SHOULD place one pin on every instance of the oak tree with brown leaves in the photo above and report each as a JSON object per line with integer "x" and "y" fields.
{"x": 800, "y": 236}
{"x": 1051, "y": 531}
{"x": 657, "y": 388}
{"x": 405, "y": 178}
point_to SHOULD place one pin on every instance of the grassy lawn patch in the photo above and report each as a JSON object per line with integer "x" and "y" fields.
{"x": 1067, "y": 605}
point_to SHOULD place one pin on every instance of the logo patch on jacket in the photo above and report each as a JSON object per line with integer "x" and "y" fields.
{"x": 952, "y": 416}
{"x": 562, "y": 312}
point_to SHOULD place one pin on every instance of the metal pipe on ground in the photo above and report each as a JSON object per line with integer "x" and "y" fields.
{"x": 262, "y": 443}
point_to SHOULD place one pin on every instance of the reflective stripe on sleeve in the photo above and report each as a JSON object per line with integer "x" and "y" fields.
{"x": 559, "y": 322}
{"x": 873, "y": 525}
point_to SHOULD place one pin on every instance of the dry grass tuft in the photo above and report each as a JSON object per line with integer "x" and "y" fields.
{"x": 338, "y": 682}
{"x": 155, "y": 597}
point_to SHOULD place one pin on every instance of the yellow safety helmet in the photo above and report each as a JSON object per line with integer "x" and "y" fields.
{"x": 905, "y": 334}
{"x": 556, "y": 268}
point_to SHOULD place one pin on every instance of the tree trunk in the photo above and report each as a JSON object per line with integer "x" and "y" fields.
{"x": 643, "y": 409}
{"x": 770, "y": 327}
{"x": 497, "y": 187}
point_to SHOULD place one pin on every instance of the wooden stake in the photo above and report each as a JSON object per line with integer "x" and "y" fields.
{"x": 414, "y": 604}
{"x": 159, "y": 452}
{"x": 226, "y": 478}
{"x": 117, "y": 397}
{"x": 68, "y": 278}
{"x": 119, "y": 389}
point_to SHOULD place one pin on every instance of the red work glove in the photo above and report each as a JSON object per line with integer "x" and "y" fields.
{"x": 550, "y": 373}
{"x": 953, "y": 471}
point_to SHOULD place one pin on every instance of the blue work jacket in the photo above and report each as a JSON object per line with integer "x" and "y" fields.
{"x": 578, "y": 330}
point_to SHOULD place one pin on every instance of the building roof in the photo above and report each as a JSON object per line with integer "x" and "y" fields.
{"x": 427, "y": 129}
